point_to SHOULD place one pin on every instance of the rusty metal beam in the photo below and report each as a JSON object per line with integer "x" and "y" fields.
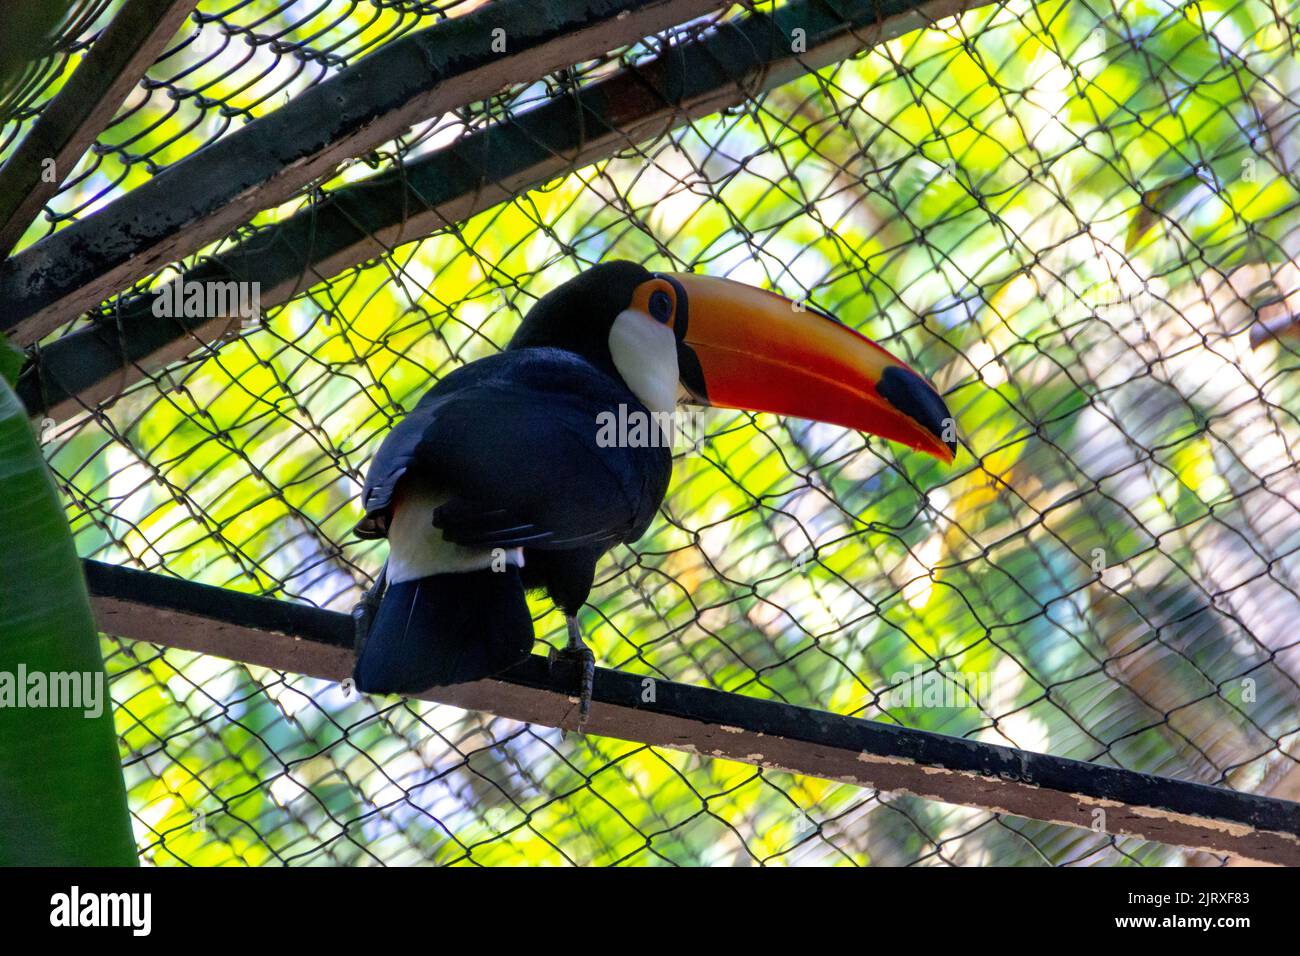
{"x": 81, "y": 110}
{"x": 361, "y": 221}
{"x": 307, "y": 640}
{"x": 204, "y": 196}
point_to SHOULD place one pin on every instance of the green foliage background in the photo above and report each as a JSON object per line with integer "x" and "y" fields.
{"x": 1067, "y": 214}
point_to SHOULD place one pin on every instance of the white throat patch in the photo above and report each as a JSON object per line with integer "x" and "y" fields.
{"x": 645, "y": 354}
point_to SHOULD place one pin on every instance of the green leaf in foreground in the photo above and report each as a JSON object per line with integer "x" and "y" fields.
{"x": 62, "y": 800}
{"x": 11, "y": 361}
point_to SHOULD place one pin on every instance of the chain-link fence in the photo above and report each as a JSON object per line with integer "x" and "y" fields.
{"x": 1070, "y": 215}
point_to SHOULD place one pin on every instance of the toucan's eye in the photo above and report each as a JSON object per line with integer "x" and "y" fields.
{"x": 661, "y": 306}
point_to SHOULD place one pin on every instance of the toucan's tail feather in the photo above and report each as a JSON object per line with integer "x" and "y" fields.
{"x": 445, "y": 629}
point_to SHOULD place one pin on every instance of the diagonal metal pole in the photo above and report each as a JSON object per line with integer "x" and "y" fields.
{"x": 359, "y": 222}
{"x": 307, "y": 640}
{"x": 81, "y": 110}
{"x": 204, "y": 196}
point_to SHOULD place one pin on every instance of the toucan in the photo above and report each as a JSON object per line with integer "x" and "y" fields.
{"x": 503, "y": 478}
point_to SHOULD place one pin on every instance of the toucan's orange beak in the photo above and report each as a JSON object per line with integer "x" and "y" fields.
{"x": 740, "y": 347}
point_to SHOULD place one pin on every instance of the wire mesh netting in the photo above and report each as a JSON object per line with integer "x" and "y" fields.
{"x": 1069, "y": 215}
{"x": 233, "y": 62}
{"x": 26, "y": 94}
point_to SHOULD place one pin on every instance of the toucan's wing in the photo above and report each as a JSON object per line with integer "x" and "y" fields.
{"x": 523, "y": 469}
{"x": 513, "y": 441}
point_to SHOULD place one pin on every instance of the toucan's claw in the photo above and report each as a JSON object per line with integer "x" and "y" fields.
{"x": 588, "y": 681}
{"x": 577, "y": 651}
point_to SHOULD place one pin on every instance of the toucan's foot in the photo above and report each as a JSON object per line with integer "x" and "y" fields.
{"x": 586, "y": 662}
{"x": 578, "y": 652}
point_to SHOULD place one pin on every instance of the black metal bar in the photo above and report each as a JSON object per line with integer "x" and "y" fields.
{"x": 262, "y": 631}
{"x": 86, "y": 104}
{"x": 207, "y": 194}
{"x": 358, "y": 222}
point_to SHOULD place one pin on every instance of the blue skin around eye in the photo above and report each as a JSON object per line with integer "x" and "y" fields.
{"x": 661, "y": 306}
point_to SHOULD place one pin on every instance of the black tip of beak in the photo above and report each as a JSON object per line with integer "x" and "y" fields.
{"x": 913, "y": 396}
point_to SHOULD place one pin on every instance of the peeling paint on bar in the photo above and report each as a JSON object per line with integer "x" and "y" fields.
{"x": 202, "y": 197}
{"x": 358, "y": 222}
{"x": 885, "y": 757}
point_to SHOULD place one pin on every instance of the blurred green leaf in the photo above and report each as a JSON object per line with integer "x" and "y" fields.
{"x": 1162, "y": 202}
{"x": 11, "y": 361}
{"x": 62, "y": 800}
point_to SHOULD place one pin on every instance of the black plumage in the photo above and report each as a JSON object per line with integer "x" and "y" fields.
{"x": 512, "y": 442}
{"x": 504, "y": 478}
